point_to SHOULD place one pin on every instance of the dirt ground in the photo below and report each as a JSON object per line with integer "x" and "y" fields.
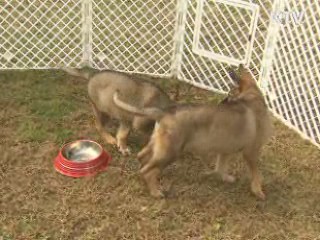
{"x": 40, "y": 110}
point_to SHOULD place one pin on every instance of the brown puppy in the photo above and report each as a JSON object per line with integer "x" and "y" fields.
{"x": 101, "y": 88}
{"x": 239, "y": 124}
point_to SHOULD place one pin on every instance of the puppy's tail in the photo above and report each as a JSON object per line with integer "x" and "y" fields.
{"x": 150, "y": 112}
{"x": 77, "y": 73}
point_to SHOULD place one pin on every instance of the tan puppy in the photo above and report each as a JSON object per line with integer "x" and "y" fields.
{"x": 239, "y": 124}
{"x": 101, "y": 88}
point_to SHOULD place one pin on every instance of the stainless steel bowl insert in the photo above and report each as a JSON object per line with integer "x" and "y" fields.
{"x": 82, "y": 151}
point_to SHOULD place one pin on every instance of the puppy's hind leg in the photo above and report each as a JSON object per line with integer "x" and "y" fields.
{"x": 222, "y": 168}
{"x": 100, "y": 120}
{"x": 251, "y": 157}
{"x": 122, "y": 136}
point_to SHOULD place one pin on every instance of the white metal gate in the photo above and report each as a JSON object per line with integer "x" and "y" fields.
{"x": 193, "y": 40}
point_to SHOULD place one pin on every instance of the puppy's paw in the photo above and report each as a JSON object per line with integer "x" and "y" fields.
{"x": 125, "y": 151}
{"x": 260, "y": 195}
{"x": 225, "y": 177}
{"x": 111, "y": 140}
{"x": 157, "y": 194}
{"x": 228, "y": 178}
{"x": 257, "y": 191}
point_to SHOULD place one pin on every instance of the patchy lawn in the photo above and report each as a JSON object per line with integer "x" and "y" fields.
{"x": 40, "y": 110}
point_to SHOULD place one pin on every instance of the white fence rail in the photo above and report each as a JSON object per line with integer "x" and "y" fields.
{"x": 193, "y": 40}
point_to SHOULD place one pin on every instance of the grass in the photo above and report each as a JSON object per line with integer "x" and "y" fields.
{"x": 40, "y": 110}
{"x": 44, "y": 103}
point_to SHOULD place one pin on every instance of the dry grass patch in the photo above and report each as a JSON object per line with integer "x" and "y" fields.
{"x": 42, "y": 109}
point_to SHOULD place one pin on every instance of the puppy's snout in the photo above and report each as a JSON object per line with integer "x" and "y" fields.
{"x": 233, "y": 75}
{"x": 241, "y": 66}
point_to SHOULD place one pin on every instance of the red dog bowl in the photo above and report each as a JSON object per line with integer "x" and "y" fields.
{"x": 81, "y": 158}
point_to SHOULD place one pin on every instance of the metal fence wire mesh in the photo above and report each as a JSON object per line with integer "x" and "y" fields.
{"x": 133, "y": 36}
{"x": 293, "y": 88}
{"x": 193, "y": 40}
{"x": 40, "y": 34}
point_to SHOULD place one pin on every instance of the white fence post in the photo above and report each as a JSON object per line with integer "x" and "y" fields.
{"x": 271, "y": 43}
{"x": 182, "y": 8}
{"x": 87, "y": 32}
